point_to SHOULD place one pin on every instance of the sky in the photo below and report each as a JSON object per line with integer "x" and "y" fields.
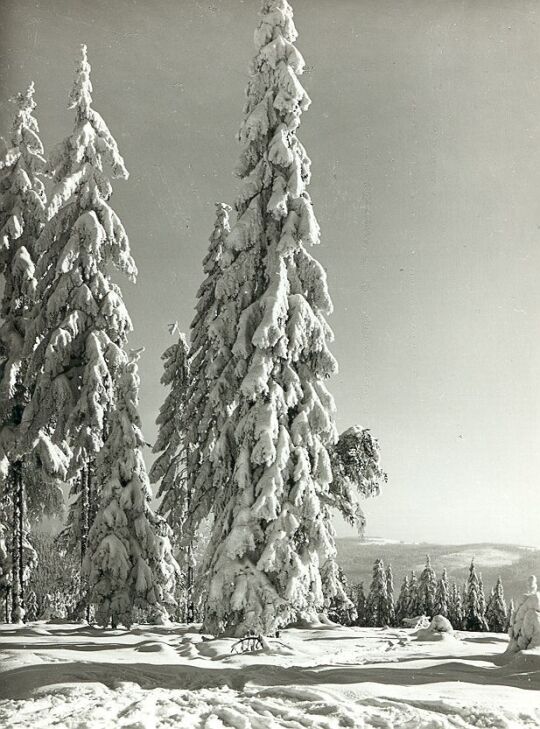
{"x": 424, "y": 133}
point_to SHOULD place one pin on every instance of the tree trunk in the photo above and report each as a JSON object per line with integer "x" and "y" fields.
{"x": 22, "y": 515}
{"x": 84, "y": 512}
{"x": 190, "y": 612}
{"x": 17, "y": 542}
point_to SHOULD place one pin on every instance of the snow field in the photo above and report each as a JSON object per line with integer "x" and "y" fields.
{"x": 77, "y": 676}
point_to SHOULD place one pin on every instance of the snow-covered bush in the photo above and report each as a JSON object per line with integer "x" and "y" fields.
{"x": 524, "y": 630}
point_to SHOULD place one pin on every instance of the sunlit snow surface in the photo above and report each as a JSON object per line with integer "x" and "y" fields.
{"x": 79, "y": 676}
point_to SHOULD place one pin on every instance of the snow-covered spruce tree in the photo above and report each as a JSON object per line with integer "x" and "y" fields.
{"x": 403, "y": 601}
{"x": 356, "y": 471}
{"x": 510, "y": 616}
{"x": 442, "y": 595}
{"x": 129, "y": 560}
{"x": 425, "y": 593}
{"x": 359, "y": 599}
{"x": 169, "y": 468}
{"x": 377, "y": 600}
{"x": 474, "y": 616}
{"x": 482, "y": 597}
{"x": 22, "y": 202}
{"x": 271, "y": 558}
{"x": 390, "y": 607}
{"x": 342, "y": 610}
{"x": 209, "y": 395}
{"x": 496, "y": 611}
{"x": 455, "y": 608}
{"x": 80, "y": 325}
{"x": 413, "y": 596}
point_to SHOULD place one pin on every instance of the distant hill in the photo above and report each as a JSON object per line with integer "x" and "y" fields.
{"x": 513, "y": 563}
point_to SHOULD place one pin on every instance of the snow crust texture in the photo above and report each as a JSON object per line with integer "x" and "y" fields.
{"x": 326, "y": 677}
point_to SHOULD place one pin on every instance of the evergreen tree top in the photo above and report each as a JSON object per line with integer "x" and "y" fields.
{"x": 78, "y": 163}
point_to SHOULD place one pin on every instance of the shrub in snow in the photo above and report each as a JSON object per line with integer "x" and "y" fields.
{"x": 524, "y": 630}
{"x": 496, "y": 611}
{"x": 271, "y": 557}
{"x": 129, "y": 560}
{"x": 80, "y": 324}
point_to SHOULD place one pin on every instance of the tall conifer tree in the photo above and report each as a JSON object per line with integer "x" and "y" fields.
{"x": 170, "y": 467}
{"x": 272, "y": 547}
{"x": 474, "y": 617}
{"x": 425, "y": 595}
{"x": 129, "y": 558}
{"x": 80, "y": 326}
{"x": 442, "y": 595}
{"x": 22, "y": 204}
{"x": 403, "y": 601}
{"x": 390, "y": 609}
{"x": 497, "y": 611}
{"x": 377, "y": 600}
{"x": 209, "y": 395}
{"x": 455, "y": 608}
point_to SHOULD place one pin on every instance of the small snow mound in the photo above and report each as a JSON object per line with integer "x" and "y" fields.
{"x": 420, "y": 621}
{"x": 440, "y": 628}
{"x": 154, "y": 646}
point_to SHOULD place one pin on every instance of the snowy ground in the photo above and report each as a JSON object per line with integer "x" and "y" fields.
{"x": 79, "y": 676}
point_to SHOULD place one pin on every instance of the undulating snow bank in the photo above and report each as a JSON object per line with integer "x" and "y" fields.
{"x": 324, "y": 678}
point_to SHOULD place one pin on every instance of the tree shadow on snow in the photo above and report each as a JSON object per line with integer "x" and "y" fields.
{"x": 22, "y": 682}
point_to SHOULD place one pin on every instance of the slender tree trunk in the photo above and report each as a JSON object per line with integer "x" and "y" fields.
{"x": 190, "y": 612}
{"x": 89, "y": 511}
{"x": 85, "y": 512}
{"x": 17, "y": 543}
{"x": 22, "y": 515}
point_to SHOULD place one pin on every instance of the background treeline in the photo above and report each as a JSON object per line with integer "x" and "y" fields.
{"x": 55, "y": 592}
{"x": 465, "y": 605}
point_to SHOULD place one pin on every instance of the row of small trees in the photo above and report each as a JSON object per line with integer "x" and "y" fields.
{"x": 465, "y": 607}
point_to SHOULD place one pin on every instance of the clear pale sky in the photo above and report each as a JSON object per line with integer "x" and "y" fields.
{"x": 424, "y": 134}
